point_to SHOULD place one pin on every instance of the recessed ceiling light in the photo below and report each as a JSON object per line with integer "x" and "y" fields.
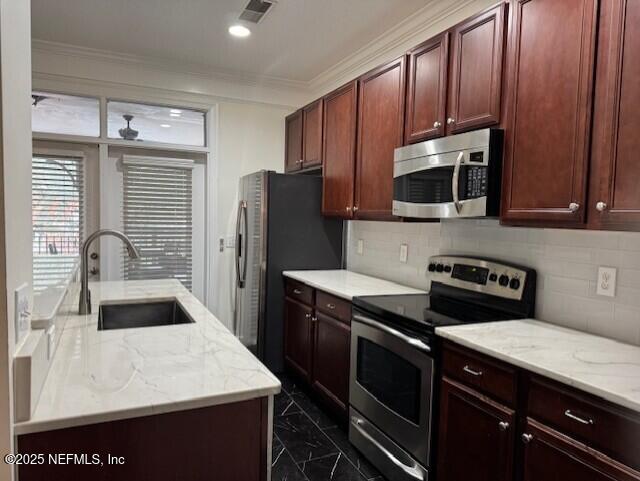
{"x": 166, "y": 126}
{"x": 174, "y": 115}
{"x": 176, "y": 111}
{"x": 239, "y": 31}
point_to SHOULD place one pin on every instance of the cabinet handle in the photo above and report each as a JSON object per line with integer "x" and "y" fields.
{"x": 300, "y": 161}
{"x": 503, "y": 425}
{"x": 307, "y": 316}
{"x": 450, "y": 121}
{"x": 348, "y": 208}
{"x": 297, "y": 292}
{"x": 574, "y": 207}
{"x": 314, "y": 319}
{"x": 355, "y": 208}
{"x": 471, "y": 371}
{"x": 331, "y": 306}
{"x": 580, "y": 419}
{"x": 437, "y": 125}
{"x": 527, "y": 438}
{"x": 601, "y": 206}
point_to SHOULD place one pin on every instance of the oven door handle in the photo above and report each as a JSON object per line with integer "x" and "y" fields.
{"x": 455, "y": 182}
{"x": 410, "y": 470}
{"x": 417, "y": 343}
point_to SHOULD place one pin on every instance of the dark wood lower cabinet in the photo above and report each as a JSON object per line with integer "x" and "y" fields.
{"x": 331, "y": 350}
{"x": 549, "y": 455}
{"x": 226, "y": 442}
{"x": 476, "y": 439}
{"x": 297, "y": 337}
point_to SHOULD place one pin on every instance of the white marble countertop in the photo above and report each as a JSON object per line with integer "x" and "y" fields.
{"x": 600, "y": 366}
{"x": 347, "y": 284}
{"x": 99, "y": 376}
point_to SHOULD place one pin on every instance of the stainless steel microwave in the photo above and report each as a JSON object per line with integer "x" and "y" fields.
{"x": 455, "y": 176}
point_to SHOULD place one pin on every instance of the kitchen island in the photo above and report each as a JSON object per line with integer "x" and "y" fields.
{"x": 172, "y": 402}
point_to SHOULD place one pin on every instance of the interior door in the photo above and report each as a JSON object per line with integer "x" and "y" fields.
{"x": 551, "y": 62}
{"x": 425, "y": 115}
{"x": 614, "y": 201}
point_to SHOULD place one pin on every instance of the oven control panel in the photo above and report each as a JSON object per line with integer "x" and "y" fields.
{"x": 480, "y": 275}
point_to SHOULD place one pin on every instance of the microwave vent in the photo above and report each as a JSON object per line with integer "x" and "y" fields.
{"x": 256, "y": 10}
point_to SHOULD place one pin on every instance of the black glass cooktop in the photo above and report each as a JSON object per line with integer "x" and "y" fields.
{"x": 425, "y": 311}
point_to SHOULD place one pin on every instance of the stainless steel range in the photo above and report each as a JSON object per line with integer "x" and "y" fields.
{"x": 395, "y": 356}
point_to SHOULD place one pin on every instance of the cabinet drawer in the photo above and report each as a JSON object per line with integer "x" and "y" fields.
{"x": 490, "y": 377}
{"x": 609, "y": 429}
{"x": 299, "y": 291}
{"x": 334, "y": 306}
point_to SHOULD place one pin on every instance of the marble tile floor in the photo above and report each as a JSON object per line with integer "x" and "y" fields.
{"x": 308, "y": 445}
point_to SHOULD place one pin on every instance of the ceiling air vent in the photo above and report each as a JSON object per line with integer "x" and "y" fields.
{"x": 255, "y": 10}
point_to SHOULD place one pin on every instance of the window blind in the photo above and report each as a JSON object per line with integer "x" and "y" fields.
{"x": 58, "y": 212}
{"x": 157, "y": 217}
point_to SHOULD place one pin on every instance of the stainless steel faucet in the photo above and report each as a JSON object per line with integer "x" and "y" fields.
{"x": 85, "y": 294}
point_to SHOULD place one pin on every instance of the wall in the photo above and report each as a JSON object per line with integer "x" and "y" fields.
{"x": 15, "y": 55}
{"x": 566, "y": 261}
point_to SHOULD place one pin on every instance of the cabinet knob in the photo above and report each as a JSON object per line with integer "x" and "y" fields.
{"x": 437, "y": 125}
{"x": 450, "y": 121}
{"x": 331, "y": 306}
{"x": 503, "y": 426}
{"x": 601, "y": 206}
{"x": 348, "y": 208}
{"x": 300, "y": 161}
{"x": 574, "y": 207}
{"x": 307, "y": 316}
{"x": 355, "y": 208}
{"x": 527, "y": 438}
{"x": 314, "y": 319}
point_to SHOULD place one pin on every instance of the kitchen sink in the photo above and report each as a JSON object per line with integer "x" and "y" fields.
{"x": 143, "y": 314}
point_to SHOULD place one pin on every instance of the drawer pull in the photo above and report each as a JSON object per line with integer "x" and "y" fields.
{"x": 331, "y": 306}
{"x": 527, "y": 438}
{"x": 471, "y": 371}
{"x": 580, "y": 419}
{"x": 297, "y": 292}
{"x": 503, "y": 425}
{"x": 307, "y": 316}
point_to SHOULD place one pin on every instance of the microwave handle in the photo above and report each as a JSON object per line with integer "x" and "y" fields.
{"x": 417, "y": 343}
{"x": 455, "y": 182}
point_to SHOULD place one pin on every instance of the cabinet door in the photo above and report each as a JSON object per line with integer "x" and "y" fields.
{"x": 476, "y": 438}
{"x": 551, "y": 456}
{"x": 380, "y": 129}
{"x": 427, "y": 90}
{"x": 338, "y": 174}
{"x": 297, "y": 337}
{"x": 312, "y": 134}
{"x": 331, "y": 358}
{"x": 614, "y": 200}
{"x": 551, "y": 61}
{"x": 293, "y": 142}
{"x": 476, "y": 81}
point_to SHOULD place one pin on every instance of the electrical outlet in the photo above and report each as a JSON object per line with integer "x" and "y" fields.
{"x": 360, "y": 248}
{"x": 22, "y": 311}
{"x": 606, "y": 281}
{"x": 404, "y": 252}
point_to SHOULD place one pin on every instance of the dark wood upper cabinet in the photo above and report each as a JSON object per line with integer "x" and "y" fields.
{"x": 614, "y": 200}
{"x": 477, "y": 436}
{"x": 549, "y": 455}
{"x": 293, "y": 142}
{"x": 550, "y": 86}
{"x": 312, "y": 134}
{"x": 425, "y": 116}
{"x": 331, "y": 351}
{"x": 297, "y": 337}
{"x": 340, "y": 118}
{"x": 380, "y": 131}
{"x": 475, "y": 91}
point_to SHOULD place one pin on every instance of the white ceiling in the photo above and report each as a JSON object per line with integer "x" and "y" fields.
{"x": 297, "y": 40}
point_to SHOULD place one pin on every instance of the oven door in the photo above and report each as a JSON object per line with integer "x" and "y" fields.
{"x": 392, "y": 383}
{"x": 451, "y": 184}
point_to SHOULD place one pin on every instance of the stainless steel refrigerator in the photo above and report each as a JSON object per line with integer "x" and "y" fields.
{"x": 279, "y": 227}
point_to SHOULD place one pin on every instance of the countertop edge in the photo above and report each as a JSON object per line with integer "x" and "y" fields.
{"x": 315, "y": 285}
{"x": 556, "y": 376}
{"x": 28, "y": 427}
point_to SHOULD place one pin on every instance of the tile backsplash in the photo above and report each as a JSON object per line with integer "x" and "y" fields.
{"x": 567, "y": 263}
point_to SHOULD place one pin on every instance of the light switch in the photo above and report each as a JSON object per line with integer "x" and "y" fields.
{"x": 360, "y": 248}
{"x": 404, "y": 252}
{"x": 606, "y": 281}
{"x": 22, "y": 311}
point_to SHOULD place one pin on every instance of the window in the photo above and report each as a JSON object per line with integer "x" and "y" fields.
{"x": 157, "y": 217}
{"x": 58, "y": 212}
{"x": 65, "y": 114}
{"x": 155, "y": 123}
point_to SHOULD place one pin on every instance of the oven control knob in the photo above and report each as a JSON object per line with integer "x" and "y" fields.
{"x": 493, "y": 277}
{"x": 439, "y": 268}
{"x": 432, "y": 267}
{"x": 514, "y": 284}
{"x": 504, "y": 280}
{"x": 447, "y": 269}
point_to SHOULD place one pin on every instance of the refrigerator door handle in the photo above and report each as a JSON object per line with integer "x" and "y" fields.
{"x": 241, "y": 244}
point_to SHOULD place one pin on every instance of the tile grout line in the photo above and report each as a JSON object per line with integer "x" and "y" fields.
{"x": 285, "y": 450}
